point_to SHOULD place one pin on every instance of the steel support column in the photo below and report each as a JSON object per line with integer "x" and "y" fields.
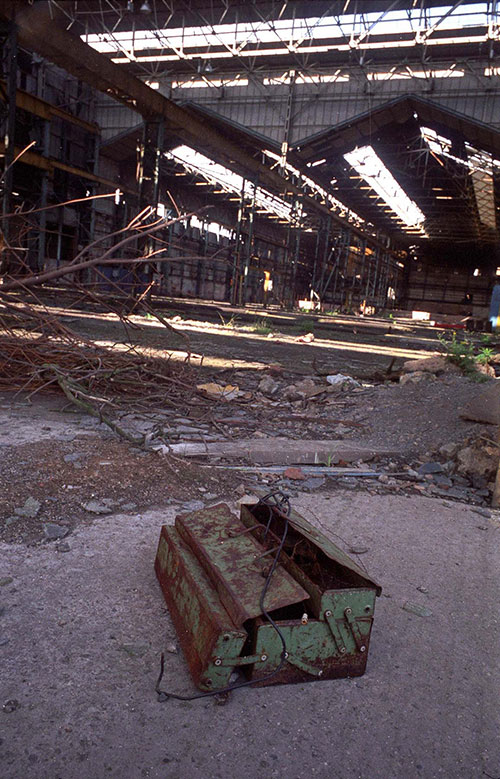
{"x": 149, "y": 185}
{"x": 9, "y": 138}
{"x": 249, "y": 246}
{"x": 237, "y": 250}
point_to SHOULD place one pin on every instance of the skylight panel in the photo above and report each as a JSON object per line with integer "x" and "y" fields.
{"x": 284, "y": 35}
{"x": 370, "y": 167}
{"x": 231, "y": 182}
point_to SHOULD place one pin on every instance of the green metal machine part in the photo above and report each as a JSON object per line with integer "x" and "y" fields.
{"x": 212, "y": 567}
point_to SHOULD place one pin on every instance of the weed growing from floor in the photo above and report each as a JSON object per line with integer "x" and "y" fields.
{"x": 463, "y": 354}
{"x": 262, "y": 326}
{"x": 334, "y": 312}
{"x": 484, "y": 355}
{"x": 303, "y": 326}
{"x": 230, "y": 323}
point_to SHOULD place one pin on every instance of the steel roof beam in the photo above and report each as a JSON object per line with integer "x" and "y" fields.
{"x": 39, "y": 32}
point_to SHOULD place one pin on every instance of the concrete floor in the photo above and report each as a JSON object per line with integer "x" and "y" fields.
{"x": 428, "y": 706}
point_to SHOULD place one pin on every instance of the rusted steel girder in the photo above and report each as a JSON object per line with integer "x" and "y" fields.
{"x": 39, "y": 31}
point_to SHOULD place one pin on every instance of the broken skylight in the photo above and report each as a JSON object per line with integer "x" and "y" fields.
{"x": 284, "y": 36}
{"x": 480, "y": 165}
{"x": 231, "y": 183}
{"x": 371, "y": 168}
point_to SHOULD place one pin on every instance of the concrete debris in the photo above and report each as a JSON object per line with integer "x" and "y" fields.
{"x": 284, "y": 451}
{"x": 74, "y": 457}
{"x": 97, "y": 507}
{"x": 449, "y": 451}
{"x": 219, "y": 391}
{"x": 268, "y": 386}
{"x": 433, "y": 467}
{"x": 128, "y": 507}
{"x": 313, "y": 483}
{"x": 416, "y": 608}
{"x": 301, "y": 390}
{"x": 296, "y": 474}
{"x": 485, "y": 406}
{"x": 415, "y": 377}
{"x": 30, "y": 509}
{"x": 341, "y": 381}
{"x": 52, "y": 531}
{"x": 436, "y": 365}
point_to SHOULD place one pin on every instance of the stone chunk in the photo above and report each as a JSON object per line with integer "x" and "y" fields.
{"x": 53, "y": 532}
{"x": 30, "y": 508}
{"x": 436, "y": 365}
{"x": 268, "y": 386}
{"x": 97, "y": 507}
{"x": 416, "y": 608}
{"x": 433, "y": 467}
{"x": 415, "y": 377}
{"x": 485, "y": 406}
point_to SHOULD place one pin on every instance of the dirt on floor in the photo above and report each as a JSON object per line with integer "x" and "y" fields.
{"x": 60, "y": 468}
{"x": 73, "y": 483}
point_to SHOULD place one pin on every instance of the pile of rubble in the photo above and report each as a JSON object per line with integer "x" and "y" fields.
{"x": 464, "y": 470}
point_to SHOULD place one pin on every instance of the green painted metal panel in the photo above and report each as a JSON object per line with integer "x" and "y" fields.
{"x": 212, "y": 568}
{"x": 236, "y": 563}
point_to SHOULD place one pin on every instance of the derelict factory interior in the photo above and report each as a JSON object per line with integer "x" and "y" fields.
{"x": 348, "y": 150}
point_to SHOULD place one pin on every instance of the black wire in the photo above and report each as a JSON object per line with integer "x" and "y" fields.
{"x": 281, "y": 501}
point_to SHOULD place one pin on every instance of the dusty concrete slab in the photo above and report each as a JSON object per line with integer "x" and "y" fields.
{"x": 82, "y": 632}
{"x": 485, "y": 407}
{"x": 24, "y": 422}
{"x": 285, "y": 450}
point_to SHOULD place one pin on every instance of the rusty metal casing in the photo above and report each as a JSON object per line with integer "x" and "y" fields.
{"x": 212, "y": 567}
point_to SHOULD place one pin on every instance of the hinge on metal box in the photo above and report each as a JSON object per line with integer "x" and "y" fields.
{"x": 354, "y": 627}
{"x": 356, "y": 633}
{"x": 232, "y": 661}
{"x": 250, "y": 659}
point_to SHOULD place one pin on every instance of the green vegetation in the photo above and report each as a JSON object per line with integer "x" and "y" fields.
{"x": 303, "y": 326}
{"x": 335, "y": 312}
{"x": 484, "y": 355}
{"x": 229, "y": 323}
{"x": 262, "y": 326}
{"x": 463, "y": 353}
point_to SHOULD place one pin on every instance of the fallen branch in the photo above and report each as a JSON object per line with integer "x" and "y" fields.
{"x": 76, "y": 395}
